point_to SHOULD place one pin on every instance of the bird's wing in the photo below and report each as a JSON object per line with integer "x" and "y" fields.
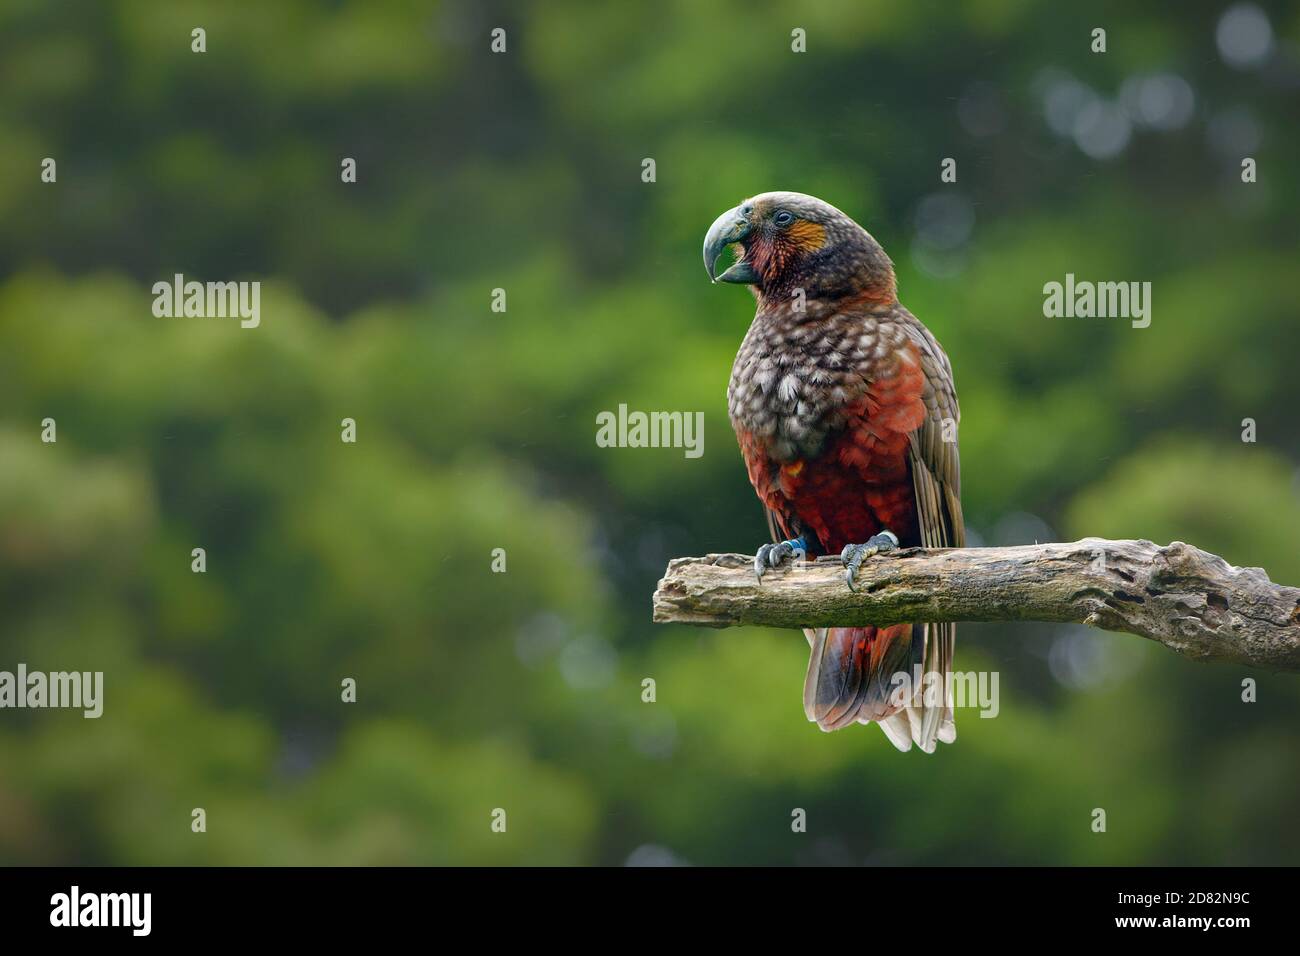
{"x": 936, "y": 464}
{"x": 936, "y": 477}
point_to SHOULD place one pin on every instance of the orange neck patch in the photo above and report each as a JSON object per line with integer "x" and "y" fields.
{"x": 806, "y": 236}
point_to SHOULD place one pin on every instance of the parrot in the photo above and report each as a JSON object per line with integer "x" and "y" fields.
{"x": 846, "y": 414}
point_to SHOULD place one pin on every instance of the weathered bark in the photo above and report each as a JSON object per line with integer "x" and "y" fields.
{"x": 1192, "y": 602}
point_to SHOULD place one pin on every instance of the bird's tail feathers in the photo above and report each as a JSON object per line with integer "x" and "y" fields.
{"x": 882, "y": 675}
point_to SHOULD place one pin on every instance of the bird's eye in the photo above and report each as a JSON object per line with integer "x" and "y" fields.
{"x": 783, "y": 218}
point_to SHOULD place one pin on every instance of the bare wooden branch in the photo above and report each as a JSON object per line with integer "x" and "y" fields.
{"x": 1192, "y": 602}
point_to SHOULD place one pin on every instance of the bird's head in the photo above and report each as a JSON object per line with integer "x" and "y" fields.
{"x": 792, "y": 241}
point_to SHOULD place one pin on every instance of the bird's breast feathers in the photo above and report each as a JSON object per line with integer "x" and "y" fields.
{"x": 801, "y": 379}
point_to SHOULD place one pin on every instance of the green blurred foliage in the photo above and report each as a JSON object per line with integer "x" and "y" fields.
{"x": 372, "y": 560}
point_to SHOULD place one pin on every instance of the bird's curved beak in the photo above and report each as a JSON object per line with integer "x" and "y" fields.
{"x": 731, "y": 227}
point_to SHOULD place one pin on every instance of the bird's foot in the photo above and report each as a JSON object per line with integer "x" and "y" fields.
{"x": 772, "y": 555}
{"x": 854, "y": 554}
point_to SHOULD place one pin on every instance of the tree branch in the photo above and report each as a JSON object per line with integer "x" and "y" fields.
{"x": 1192, "y": 602}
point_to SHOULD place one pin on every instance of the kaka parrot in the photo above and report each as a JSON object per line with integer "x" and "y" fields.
{"x": 844, "y": 408}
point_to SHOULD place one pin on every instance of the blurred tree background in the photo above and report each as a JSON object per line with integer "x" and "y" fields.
{"x": 476, "y": 429}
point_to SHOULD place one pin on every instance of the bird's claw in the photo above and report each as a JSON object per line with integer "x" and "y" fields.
{"x": 771, "y": 555}
{"x": 854, "y": 554}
